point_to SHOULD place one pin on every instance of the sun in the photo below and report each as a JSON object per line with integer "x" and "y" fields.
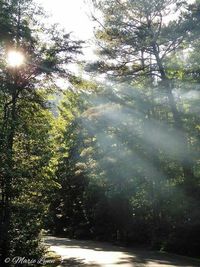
{"x": 15, "y": 58}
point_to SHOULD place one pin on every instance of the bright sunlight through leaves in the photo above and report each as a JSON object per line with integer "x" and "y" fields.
{"x": 15, "y": 58}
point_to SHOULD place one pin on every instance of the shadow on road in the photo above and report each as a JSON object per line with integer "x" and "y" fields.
{"x": 122, "y": 256}
{"x": 84, "y": 244}
{"x": 71, "y": 262}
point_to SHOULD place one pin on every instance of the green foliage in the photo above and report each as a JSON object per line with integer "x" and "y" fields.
{"x": 27, "y": 158}
{"x": 136, "y": 143}
{"x": 117, "y": 161}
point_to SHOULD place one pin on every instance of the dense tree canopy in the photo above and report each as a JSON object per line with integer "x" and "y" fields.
{"x": 116, "y": 160}
{"x": 142, "y": 168}
{"x": 25, "y": 122}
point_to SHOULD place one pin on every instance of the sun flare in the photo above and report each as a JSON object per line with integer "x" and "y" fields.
{"x": 15, "y": 58}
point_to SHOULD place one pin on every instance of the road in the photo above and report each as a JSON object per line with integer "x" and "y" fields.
{"x": 98, "y": 254}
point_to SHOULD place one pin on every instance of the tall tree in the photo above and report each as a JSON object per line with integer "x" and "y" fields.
{"x": 136, "y": 39}
{"x": 44, "y": 60}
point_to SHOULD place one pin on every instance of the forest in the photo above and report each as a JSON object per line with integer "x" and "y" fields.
{"x": 114, "y": 157}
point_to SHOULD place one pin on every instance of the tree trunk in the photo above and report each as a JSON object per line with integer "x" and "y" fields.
{"x": 186, "y": 160}
{"x": 7, "y": 183}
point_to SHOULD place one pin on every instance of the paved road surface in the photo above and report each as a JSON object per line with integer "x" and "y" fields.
{"x": 97, "y": 254}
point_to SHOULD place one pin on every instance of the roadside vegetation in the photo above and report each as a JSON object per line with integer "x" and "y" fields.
{"x": 115, "y": 158}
